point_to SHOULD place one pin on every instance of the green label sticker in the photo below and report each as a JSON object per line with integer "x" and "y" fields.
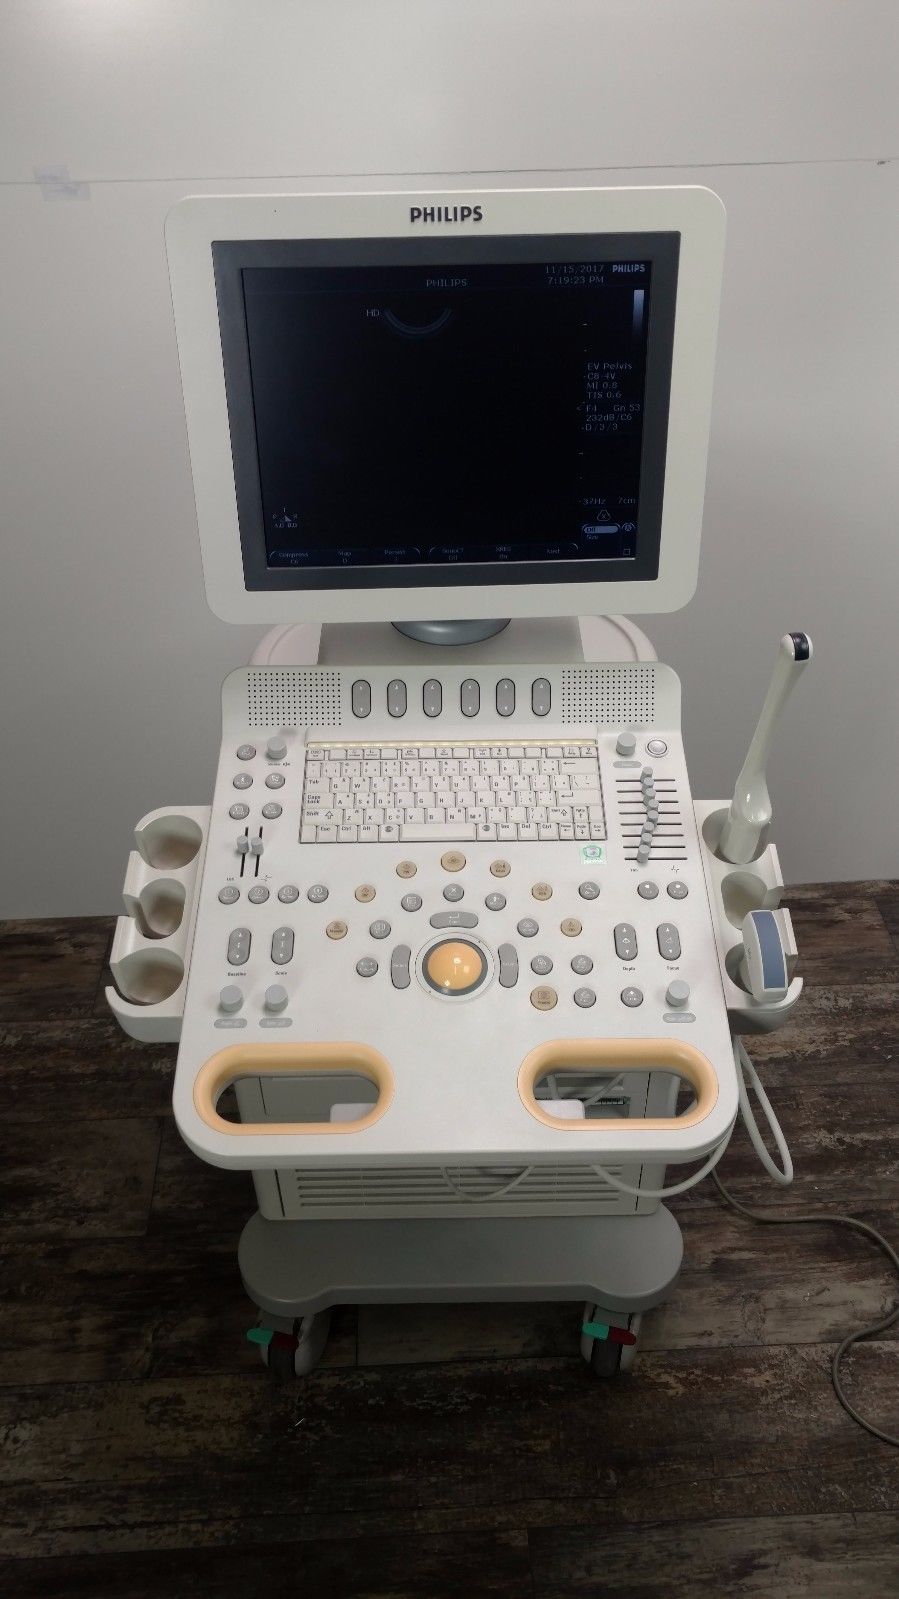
{"x": 593, "y": 854}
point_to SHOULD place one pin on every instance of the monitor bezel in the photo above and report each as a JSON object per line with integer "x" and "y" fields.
{"x": 334, "y": 226}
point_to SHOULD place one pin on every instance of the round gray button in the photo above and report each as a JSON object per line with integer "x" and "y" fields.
{"x": 678, "y": 890}
{"x": 541, "y": 965}
{"x": 632, "y": 997}
{"x": 453, "y": 891}
{"x": 379, "y": 929}
{"x": 648, "y": 890}
{"x": 288, "y": 893}
{"x": 367, "y": 966}
{"x": 276, "y": 997}
{"x": 258, "y": 895}
{"x": 245, "y": 752}
{"x": 495, "y": 902}
{"x": 527, "y": 927}
{"x": 589, "y": 891}
{"x": 275, "y": 780}
{"x": 240, "y": 812}
{"x": 411, "y": 902}
{"x": 242, "y": 780}
{"x": 584, "y": 997}
{"x": 270, "y": 811}
{"x": 657, "y": 746}
{"x": 317, "y": 893}
{"x": 581, "y": 965}
{"x": 229, "y": 896}
{"x": 230, "y": 998}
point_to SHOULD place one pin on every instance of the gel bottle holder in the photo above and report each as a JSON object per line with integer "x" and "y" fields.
{"x": 152, "y": 942}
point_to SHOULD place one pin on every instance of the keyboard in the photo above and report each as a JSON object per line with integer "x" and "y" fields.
{"x": 417, "y": 793}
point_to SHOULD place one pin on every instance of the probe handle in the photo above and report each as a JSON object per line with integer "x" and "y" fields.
{"x": 750, "y": 808}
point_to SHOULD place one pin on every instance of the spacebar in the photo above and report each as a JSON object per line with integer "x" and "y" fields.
{"x": 423, "y": 832}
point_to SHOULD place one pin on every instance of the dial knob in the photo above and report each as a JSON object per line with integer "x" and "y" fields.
{"x": 276, "y": 749}
{"x": 626, "y": 744}
{"x": 677, "y": 994}
{"x": 230, "y": 998}
{"x": 276, "y": 997}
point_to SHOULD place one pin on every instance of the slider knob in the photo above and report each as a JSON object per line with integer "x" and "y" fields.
{"x": 677, "y": 994}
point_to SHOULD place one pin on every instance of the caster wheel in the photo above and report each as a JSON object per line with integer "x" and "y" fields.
{"x": 286, "y": 1361}
{"x": 605, "y": 1361}
{"x": 606, "y": 1357}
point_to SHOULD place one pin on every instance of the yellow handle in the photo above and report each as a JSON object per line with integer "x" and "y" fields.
{"x": 620, "y": 1055}
{"x": 258, "y": 1060}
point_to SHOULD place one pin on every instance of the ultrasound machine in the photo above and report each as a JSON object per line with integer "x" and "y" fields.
{"x": 457, "y": 966}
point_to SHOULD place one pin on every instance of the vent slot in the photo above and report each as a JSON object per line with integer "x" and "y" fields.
{"x": 293, "y": 698}
{"x": 411, "y": 1188}
{"x": 609, "y": 695}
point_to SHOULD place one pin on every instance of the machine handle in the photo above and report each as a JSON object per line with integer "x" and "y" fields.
{"x": 621, "y": 1055}
{"x": 267, "y": 1060}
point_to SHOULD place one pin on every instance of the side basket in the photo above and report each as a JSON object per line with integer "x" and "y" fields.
{"x": 152, "y": 942}
{"x": 733, "y": 892}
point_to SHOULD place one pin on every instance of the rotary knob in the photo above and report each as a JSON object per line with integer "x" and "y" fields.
{"x": 677, "y": 994}
{"x": 230, "y": 998}
{"x": 276, "y": 997}
{"x": 626, "y": 744}
{"x": 276, "y": 748}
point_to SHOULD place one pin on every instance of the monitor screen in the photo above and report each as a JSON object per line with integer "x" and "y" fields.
{"x": 491, "y": 412}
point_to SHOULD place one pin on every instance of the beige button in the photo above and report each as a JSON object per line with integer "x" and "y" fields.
{"x": 571, "y": 927}
{"x": 453, "y": 860}
{"x": 406, "y": 869}
{"x": 543, "y": 998}
{"x": 542, "y": 891}
{"x": 364, "y": 893}
{"x": 336, "y": 929}
{"x": 500, "y": 868}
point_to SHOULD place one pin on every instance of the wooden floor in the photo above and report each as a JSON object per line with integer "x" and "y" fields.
{"x": 439, "y": 1450}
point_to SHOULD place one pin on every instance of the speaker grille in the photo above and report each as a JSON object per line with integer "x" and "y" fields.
{"x": 293, "y": 698}
{"x": 609, "y": 695}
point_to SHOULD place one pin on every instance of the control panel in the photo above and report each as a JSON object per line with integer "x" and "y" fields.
{"x": 451, "y": 901}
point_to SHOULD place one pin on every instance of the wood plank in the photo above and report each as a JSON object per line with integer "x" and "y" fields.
{"x": 445, "y": 1566}
{"x": 829, "y": 1557}
{"x": 51, "y": 969}
{"x": 886, "y": 898}
{"x": 86, "y": 1068}
{"x": 75, "y": 1179}
{"x": 105, "y": 1310}
{"x": 741, "y": 1285}
{"x": 190, "y": 1195}
{"x": 168, "y": 1463}
{"x": 841, "y": 934}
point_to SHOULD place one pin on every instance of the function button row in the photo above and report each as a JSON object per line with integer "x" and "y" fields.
{"x": 432, "y": 698}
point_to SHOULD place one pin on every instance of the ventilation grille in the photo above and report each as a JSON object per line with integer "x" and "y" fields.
{"x": 668, "y": 842}
{"x": 609, "y": 695}
{"x": 410, "y": 1188}
{"x": 293, "y": 698}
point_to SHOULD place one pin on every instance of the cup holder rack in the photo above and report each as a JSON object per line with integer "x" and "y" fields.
{"x": 733, "y": 892}
{"x": 152, "y": 941}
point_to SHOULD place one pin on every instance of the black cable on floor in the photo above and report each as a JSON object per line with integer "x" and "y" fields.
{"x": 863, "y": 1332}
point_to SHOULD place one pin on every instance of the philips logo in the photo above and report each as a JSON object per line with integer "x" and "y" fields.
{"x": 446, "y": 213}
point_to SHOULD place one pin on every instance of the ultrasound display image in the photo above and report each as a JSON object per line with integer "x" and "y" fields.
{"x": 489, "y": 413}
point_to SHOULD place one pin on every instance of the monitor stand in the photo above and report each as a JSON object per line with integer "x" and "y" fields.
{"x": 547, "y": 641}
{"x": 473, "y": 632}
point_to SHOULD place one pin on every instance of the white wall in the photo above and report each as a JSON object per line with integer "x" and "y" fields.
{"x": 111, "y": 662}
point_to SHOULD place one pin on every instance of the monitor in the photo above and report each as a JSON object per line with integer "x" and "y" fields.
{"x": 474, "y": 404}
